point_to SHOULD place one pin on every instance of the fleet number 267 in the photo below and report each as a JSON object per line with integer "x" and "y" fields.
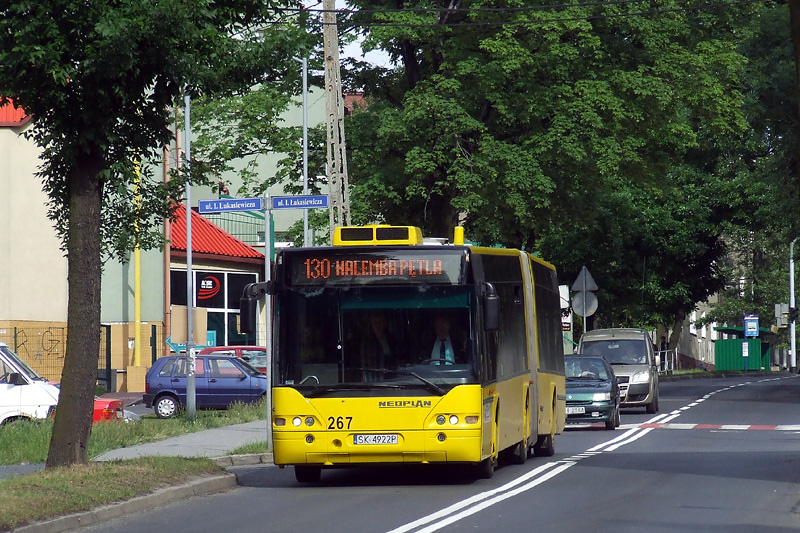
{"x": 339, "y": 422}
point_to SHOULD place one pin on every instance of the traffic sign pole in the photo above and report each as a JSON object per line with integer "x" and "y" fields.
{"x": 268, "y": 316}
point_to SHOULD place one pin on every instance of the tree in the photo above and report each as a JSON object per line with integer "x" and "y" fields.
{"x": 598, "y": 135}
{"x": 99, "y": 79}
{"x": 497, "y": 115}
{"x": 767, "y": 160}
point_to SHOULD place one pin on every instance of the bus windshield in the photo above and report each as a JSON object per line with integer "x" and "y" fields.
{"x": 367, "y": 338}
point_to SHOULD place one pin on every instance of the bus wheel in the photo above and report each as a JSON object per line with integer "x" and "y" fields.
{"x": 545, "y": 445}
{"x": 519, "y": 453}
{"x": 307, "y": 474}
{"x": 485, "y": 469}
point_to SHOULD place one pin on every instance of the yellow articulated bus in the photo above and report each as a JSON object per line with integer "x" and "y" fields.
{"x": 388, "y": 349}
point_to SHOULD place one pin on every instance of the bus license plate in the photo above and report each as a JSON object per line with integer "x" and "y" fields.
{"x": 375, "y": 439}
{"x": 576, "y": 410}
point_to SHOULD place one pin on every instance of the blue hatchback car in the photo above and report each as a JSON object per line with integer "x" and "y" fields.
{"x": 219, "y": 382}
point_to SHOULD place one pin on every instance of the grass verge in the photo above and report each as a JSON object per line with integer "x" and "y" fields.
{"x": 61, "y": 491}
{"x": 54, "y": 492}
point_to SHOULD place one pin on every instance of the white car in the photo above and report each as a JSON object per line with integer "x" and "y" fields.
{"x": 24, "y": 394}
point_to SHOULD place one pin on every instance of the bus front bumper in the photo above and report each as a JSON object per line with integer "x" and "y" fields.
{"x": 343, "y": 448}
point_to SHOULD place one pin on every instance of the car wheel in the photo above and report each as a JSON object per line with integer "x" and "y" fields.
{"x": 652, "y": 407}
{"x": 611, "y": 423}
{"x": 307, "y": 474}
{"x": 166, "y": 407}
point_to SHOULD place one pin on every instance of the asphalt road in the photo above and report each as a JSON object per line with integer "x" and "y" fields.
{"x": 721, "y": 455}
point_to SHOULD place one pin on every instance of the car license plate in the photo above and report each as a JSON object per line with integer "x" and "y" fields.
{"x": 576, "y": 410}
{"x": 376, "y": 439}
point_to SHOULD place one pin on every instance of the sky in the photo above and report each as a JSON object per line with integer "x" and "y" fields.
{"x": 379, "y": 58}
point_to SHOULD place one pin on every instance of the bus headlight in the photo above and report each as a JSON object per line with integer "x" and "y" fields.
{"x": 309, "y": 420}
{"x": 453, "y": 419}
{"x": 472, "y": 419}
{"x": 279, "y": 421}
{"x": 440, "y": 420}
{"x": 296, "y": 421}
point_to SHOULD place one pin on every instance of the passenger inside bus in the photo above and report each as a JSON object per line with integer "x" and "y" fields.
{"x": 376, "y": 345}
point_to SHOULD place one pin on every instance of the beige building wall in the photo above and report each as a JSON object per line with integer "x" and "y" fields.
{"x": 33, "y": 269}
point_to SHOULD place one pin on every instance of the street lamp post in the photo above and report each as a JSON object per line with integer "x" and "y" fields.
{"x": 304, "y": 62}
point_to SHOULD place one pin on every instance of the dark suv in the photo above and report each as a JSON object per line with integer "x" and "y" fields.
{"x": 219, "y": 382}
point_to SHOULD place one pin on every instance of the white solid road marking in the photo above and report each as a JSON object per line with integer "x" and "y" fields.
{"x": 539, "y": 475}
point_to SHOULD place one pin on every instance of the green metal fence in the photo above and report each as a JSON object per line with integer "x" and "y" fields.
{"x": 729, "y": 355}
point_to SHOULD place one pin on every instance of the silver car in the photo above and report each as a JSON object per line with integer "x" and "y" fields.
{"x": 630, "y": 352}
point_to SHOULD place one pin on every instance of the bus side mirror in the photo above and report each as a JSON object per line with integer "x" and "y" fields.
{"x": 248, "y": 309}
{"x": 248, "y": 305}
{"x": 491, "y": 308}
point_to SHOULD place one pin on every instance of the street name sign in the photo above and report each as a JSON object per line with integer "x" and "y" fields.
{"x": 224, "y": 205}
{"x": 316, "y": 201}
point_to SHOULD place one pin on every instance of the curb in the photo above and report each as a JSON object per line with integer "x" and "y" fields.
{"x": 198, "y": 487}
{"x": 243, "y": 460}
{"x": 718, "y": 374}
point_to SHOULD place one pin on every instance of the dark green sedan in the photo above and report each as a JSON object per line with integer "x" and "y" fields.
{"x": 592, "y": 391}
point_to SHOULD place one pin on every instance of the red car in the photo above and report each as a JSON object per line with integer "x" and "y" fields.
{"x": 105, "y": 409}
{"x": 255, "y": 355}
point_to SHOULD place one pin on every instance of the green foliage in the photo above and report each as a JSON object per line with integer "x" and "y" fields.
{"x": 101, "y": 78}
{"x": 605, "y": 136}
{"x": 244, "y": 133}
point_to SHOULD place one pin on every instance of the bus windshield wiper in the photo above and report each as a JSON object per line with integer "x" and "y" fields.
{"x": 429, "y": 384}
{"x": 319, "y": 391}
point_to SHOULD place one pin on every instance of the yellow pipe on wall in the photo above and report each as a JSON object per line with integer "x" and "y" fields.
{"x": 137, "y": 281}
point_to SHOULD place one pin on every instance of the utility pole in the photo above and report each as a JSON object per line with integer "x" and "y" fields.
{"x": 334, "y": 108}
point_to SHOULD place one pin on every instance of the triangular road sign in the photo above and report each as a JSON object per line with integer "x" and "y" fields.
{"x": 585, "y": 282}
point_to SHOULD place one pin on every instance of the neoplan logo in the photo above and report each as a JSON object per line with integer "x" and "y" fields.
{"x": 394, "y": 404}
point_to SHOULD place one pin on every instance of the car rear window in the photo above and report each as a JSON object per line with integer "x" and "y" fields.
{"x": 166, "y": 370}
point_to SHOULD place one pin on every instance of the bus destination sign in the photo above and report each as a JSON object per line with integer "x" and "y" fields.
{"x": 393, "y": 267}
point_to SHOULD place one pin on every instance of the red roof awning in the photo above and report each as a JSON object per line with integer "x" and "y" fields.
{"x": 209, "y": 239}
{"x": 12, "y": 116}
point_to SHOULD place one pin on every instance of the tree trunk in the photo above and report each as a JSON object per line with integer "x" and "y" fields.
{"x": 69, "y": 443}
{"x": 675, "y": 336}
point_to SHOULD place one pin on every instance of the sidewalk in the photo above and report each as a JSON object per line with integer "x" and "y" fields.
{"x": 217, "y": 442}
